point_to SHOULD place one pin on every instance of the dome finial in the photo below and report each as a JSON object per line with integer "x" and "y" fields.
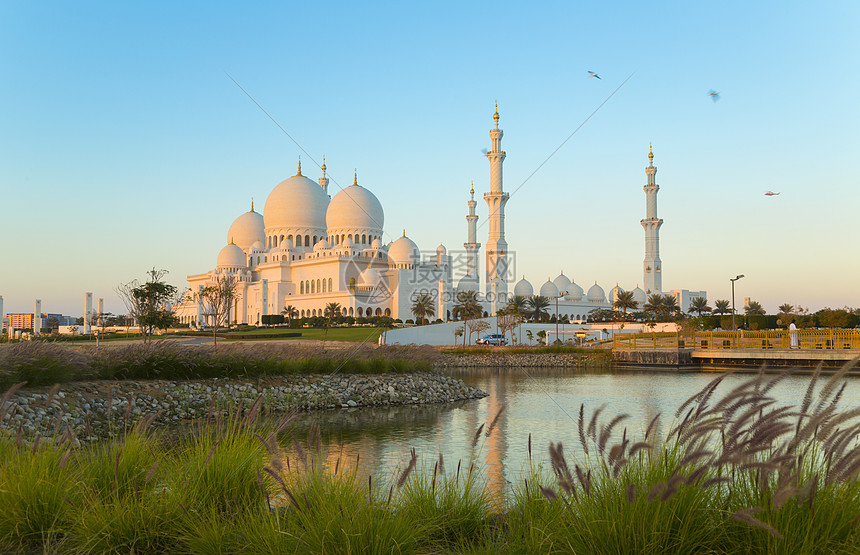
{"x": 300, "y": 166}
{"x": 650, "y": 153}
{"x": 252, "y": 204}
{"x": 496, "y": 115}
{"x": 472, "y": 192}
{"x": 355, "y": 178}
{"x": 231, "y": 240}
{"x": 404, "y": 232}
{"x": 323, "y": 166}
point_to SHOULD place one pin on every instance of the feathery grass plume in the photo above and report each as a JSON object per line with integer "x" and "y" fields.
{"x": 655, "y": 490}
{"x": 592, "y": 425}
{"x": 52, "y": 393}
{"x": 495, "y": 420}
{"x": 409, "y": 468}
{"x": 433, "y": 482}
{"x": 651, "y": 427}
{"x": 716, "y": 480}
{"x": 9, "y": 392}
{"x": 807, "y": 398}
{"x": 693, "y": 457}
{"x": 607, "y": 431}
{"x": 303, "y": 456}
{"x": 783, "y": 494}
{"x": 584, "y": 479}
{"x": 559, "y": 466}
{"x": 631, "y": 493}
{"x": 580, "y": 424}
{"x": 151, "y": 472}
{"x": 477, "y": 435}
{"x": 745, "y": 515}
{"x": 615, "y": 452}
{"x": 774, "y": 381}
{"x": 549, "y": 493}
{"x": 830, "y": 384}
{"x": 697, "y": 474}
{"x": 441, "y": 462}
{"x": 370, "y": 487}
{"x": 211, "y": 452}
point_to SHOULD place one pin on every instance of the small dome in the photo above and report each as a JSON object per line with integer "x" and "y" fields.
{"x": 246, "y": 230}
{"x": 321, "y": 245}
{"x": 286, "y": 244}
{"x": 231, "y": 256}
{"x": 467, "y": 283}
{"x": 296, "y": 202}
{"x": 354, "y": 209}
{"x": 575, "y": 292}
{"x": 441, "y": 249}
{"x": 613, "y": 294}
{"x": 403, "y": 251}
{"x": 548, "y": 289}
{"x": 523, "y": 288}
{"x": 562, "y": 283}
{"x": 596, "y": 294}
{"x": 376, "y": 244}
{"x": 347, "y": 243}
{"x": 639, "y": 296}
{"x": 258, "y": 246}
{"x": 368, "y": 278}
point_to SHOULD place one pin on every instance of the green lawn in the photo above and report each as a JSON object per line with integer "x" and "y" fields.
{"x": 370, "y": 335}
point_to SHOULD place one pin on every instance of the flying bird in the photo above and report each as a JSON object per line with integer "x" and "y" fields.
{"x": 714, "y": 95}
{"x": 592, "y": 74}
{"x": 772, "y": 194}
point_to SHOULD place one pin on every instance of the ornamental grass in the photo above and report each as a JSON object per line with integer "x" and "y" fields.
{"x": 740, "y": 471}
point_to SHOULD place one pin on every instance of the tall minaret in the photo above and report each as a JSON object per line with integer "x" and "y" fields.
{"x": 472, "y": 246}
{"x": 497, "y": 247}
{"x": 324, "y": 180}
{"x": 652, "y": 267}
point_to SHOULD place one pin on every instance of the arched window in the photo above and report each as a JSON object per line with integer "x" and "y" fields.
{"x": 350, "y": 236}
{"x": 283, "y": 258}
{"x": 318, "y": 286}
{"x": 313, "y": 287}
{"x": 323, "y": 289}
{"x": 290, "y": 237}
{"x": 269, "y": 242}
{"x": 282, "y": 239}
{"x": 258, "y": 259}
{"x": 364, "y": 239}
{"x": 342, "y": 237}
{"x": 307, "y": 240}
{"x": 315, "y": 240}
{"x": 265, "y": 259}
{"x": 379, "y": 312}
{"x": 388, "y": 312}
{"x": 350, "y": 311}
{"x": 301, "y": 288}
{"x": 343, "y": 311}
{"x": 358, "y": 311}
{"x": 329, "y": 285}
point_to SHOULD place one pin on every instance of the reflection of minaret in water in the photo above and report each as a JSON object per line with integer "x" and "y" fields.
{"x": 496, "y": 445}
{"x": 472, "y": 246}
{"x": 497, "y": 247}
{"x": 652, "y": 267}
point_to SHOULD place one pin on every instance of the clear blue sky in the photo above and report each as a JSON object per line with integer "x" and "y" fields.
{"x": 124, "y": 145}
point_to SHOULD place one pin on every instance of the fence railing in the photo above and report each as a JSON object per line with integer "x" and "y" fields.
{"x": 742, "y": 339}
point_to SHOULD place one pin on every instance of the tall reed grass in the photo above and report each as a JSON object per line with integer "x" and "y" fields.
{"x": 740, "y": 471}
{"x": 45, "y": 363}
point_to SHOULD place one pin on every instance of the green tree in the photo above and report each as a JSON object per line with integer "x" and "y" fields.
{"x": 722, "y": 306}
{"x": 332, "y": 311}
{"x": 654, "y": 306}
{"x": 517, "y": 305}
{"x": 699, "y": 305}
{"x": 289, "y": 313}
{"x": 754, "y": 307}
{"x": 537, "y": 308}
{"x": 423, "y": 307}
{"x": 466, "y": 308}
{"x": 625, "y": 301}
{"x": 149, "y": 302}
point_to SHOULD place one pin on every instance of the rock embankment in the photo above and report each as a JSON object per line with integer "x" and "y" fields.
{"x": 520, "y": 360}
{"x": 93, "y": 409}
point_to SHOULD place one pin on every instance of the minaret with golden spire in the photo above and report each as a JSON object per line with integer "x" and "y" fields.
{"x": 472, "y": 245}
{"x": 323, "y": 181}
{"x": 652, "y": 267}
{"x": 497, "y": 247}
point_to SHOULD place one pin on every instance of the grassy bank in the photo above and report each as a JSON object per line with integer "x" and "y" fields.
{"x": 736, "y": 473}
{"x": 42, "y": 363}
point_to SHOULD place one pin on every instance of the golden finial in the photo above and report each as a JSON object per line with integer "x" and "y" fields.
{"x": 650, "y": 152}
{"x": 252, "y": 204}
{"x": 323, "y": 166}
{"x": 404, "y": 233}
{"x": 231, "y": 240}
{"x": 562, "y": 272}
{"x": 355, "y": 178}
{"x": 300, "y": 166}
{"x": 496, "y": 115}
{"x": 472, "y": 192}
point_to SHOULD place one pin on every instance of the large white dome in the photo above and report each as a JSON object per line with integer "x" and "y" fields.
{"x": 640, "y": 297}
{"x": 467, "y": 283}
{"x": 596, "y": 294}
{"x": 523, "y": 288}
{"x": 403, "y": 251}
{"x": 246, "y": 230}
{"x": 296, "y": 203}
{"x": 575, "y": 292}
{"x": 368, "y": 278}
{"x": 548, "y": 290}
{"x": 562, "y": 283}
{"x": 231, "y": 256}
{"x": 355, "y": 210}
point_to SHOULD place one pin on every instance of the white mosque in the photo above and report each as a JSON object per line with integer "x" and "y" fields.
{"x": 308, "y": 249}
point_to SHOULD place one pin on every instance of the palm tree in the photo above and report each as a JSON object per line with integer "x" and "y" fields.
{"x": 423, "y": 307}
{"x": 466, "y": 307}
{"x": 699, "y": 305}
{"x": 517, "y": 305}
{"x": 670, "y": 306}
{"x": 625, "y": 301}
{"x": 754, "y": 307}
{"x": 536, "y": 308}
{"x": 786, "y": 309}
{"x": 332, "y": 311}
{"x": 722, "y": 306}
{"x": 289, "y": 313}
{"x": 654, "y": 304}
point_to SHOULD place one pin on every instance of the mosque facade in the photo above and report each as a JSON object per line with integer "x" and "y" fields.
{"x": 307, "y": 250}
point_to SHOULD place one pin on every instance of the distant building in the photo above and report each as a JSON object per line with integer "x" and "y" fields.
{"x": 24, "y": 320}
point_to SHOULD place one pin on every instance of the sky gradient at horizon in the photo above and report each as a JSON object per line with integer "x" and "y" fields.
{"x": 125, "y": 145}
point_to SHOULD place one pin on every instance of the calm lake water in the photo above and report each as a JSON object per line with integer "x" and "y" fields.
{"x": 541, "y": 402}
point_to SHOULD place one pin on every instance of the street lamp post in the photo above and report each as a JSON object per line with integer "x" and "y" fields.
{"x": 557, "y": 297}
{"x": 733, "y": 280}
